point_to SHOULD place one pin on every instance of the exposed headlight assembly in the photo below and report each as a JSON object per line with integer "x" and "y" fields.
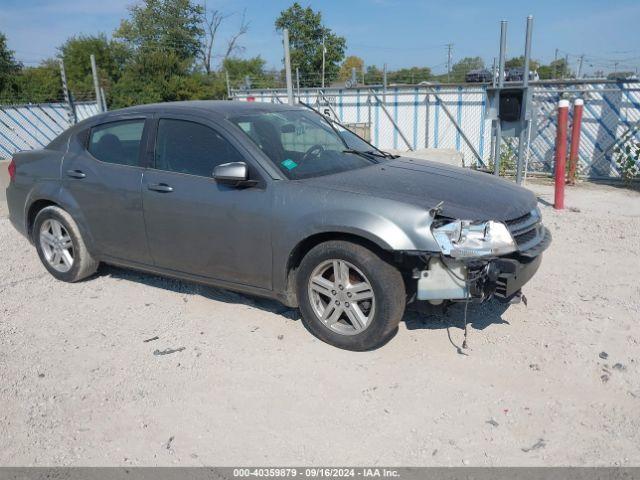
{"x": 466, "y": 239}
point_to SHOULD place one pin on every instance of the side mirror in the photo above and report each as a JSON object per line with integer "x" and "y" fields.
{"x": 234, "y": 173}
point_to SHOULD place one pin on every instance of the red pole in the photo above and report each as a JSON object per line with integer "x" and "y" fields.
{"x": 578, "y": 106}
{"x": 561, "y": 153}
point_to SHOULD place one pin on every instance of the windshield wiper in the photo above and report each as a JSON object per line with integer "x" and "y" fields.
{"x": 368, "y": 155}
{"x": 382, "y": 153}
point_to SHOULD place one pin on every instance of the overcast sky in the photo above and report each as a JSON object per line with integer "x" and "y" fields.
{"x": 400, "y": 33}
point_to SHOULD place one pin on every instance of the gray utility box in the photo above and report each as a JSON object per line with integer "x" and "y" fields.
{"x": 510, "y": 105}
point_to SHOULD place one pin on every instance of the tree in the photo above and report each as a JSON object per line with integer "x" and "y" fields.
{"x": 306, "y": 37}
{"x": 171, "y": 25}
{"x": 9, "y": 67}
{"x": 163, "y": 41}
{"x": 212, "y": 20}
{"x": 349, "y": 64}
{"x": 518, "y": 62}
{"x": 461, "y": 68}
{"x": 40, "y": 84}
{"x": 238, "y": 69}
{"x": 410, "y": 75}
{"x": 556, "y": 69}
{"x": 76, "y": 53}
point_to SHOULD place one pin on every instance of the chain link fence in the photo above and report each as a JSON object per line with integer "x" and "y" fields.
{"x": 453, "y": 117}
{"x": 32, "y": 126}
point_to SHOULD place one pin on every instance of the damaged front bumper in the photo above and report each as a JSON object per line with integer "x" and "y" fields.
{"x": 447, "y": 279}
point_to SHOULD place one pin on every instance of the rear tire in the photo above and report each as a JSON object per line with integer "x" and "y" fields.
{"x": 60, "y": 245}
{"x": 359, "y": 308}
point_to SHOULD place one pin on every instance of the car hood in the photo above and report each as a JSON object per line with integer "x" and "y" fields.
{"x": 466, "y": 194}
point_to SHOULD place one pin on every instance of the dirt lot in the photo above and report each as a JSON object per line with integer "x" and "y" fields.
{"x": 554, "y": 383}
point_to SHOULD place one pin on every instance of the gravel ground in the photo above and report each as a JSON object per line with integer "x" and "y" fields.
{"x": 235, "y": 380}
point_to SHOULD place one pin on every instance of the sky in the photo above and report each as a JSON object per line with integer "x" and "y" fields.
{"x": 401, "y": 33}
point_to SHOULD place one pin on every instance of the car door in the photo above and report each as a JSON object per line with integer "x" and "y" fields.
{"x": 104, "y": 177}
{"x": 196, "y": 225}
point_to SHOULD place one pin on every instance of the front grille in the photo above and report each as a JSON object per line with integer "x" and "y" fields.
{"x": 526, "y": 230}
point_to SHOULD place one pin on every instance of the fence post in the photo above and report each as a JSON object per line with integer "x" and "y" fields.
{"x": 96, "y": 82}
{"x": 226, "y": 74}
{"x": 71, "y": 110}
{"x": 287, "y": 66}
{"x": 561, "y": 154}
{"x": 574, "y": 153}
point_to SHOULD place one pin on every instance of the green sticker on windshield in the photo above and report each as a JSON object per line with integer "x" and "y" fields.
{"x": 289, "y": 164}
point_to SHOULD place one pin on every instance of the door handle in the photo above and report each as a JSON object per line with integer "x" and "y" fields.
{"x": 160, "y": 187}
{"x": 76, "y": 174}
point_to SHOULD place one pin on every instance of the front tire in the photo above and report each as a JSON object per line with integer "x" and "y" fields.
{"x": 349, "y": 297}
{"x": 60, "y": 245}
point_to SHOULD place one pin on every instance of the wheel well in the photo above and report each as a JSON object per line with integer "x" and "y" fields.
{"x": 34, "y": 209}
{"x": 301, "y": 249}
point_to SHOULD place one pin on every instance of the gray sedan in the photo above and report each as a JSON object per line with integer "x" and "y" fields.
{"x": 276, "y": 201}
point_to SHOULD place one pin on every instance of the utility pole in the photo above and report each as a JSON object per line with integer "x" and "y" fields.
{"x": 566, "y": 66}
{"x": 71, "y": 111}
{"x": 449, "y": 50}
{"x": 287, "y": 66}
{"x": 580, "y": 65}
{"x": 298, "y": 81}
{"x": 324, "y": 52}
{"x": 555, "y": 62}
{"x": 96, "y": 81}
{"x": 226, "y": 74}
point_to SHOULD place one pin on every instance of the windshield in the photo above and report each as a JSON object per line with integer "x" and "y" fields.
{"x": 303, "y": 144}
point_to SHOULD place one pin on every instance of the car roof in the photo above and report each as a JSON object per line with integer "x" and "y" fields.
{"x": 224, "y": 108}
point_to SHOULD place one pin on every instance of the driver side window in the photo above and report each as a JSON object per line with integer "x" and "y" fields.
{"x": 192, "y": 148}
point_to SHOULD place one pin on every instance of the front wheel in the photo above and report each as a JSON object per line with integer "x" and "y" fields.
{"x": 349, "y": 296}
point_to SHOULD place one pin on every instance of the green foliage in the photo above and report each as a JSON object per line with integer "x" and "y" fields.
{"x": 169, "y": 25}
{"x": 461, "y": 68}
{"x": 410, "y": 75}
{"x": 518, "y": 62}
{"x": 162, "y": 38}
{"x": 627, "y": 156}
{"x": 39, "y": 84}
{"x": 306, "y": 34}
{"x": 239, "y": 68}
{"x": 8, "y": 65}
{"x": 557, "y": 68}
{"x": 508, "y": 159}
{"x": 620, "y": 75}
{"x": 350, "y": 63}
{"x": 76, "y": 53}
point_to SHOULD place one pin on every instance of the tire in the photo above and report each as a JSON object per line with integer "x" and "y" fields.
{"x": 368, "y": 317}
{"x": 53, "y": 230}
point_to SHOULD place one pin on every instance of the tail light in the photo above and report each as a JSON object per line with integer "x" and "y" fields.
{"x": 12, "y": 169}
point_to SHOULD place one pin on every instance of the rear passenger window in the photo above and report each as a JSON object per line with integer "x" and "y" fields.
{"x": 189, "y": 147}
{"x": 117, "y": 142}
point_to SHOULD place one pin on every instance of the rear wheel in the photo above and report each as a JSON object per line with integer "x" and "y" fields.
{"x": 349, "y": 297}
{"x": 60, "y": 245}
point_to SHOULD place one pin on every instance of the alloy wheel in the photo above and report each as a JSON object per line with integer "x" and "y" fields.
{"x": 56, "y": 245}
{"x": 342, "y": 297}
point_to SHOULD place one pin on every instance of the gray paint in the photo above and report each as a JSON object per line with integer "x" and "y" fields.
{"x": 242, "y": 238}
